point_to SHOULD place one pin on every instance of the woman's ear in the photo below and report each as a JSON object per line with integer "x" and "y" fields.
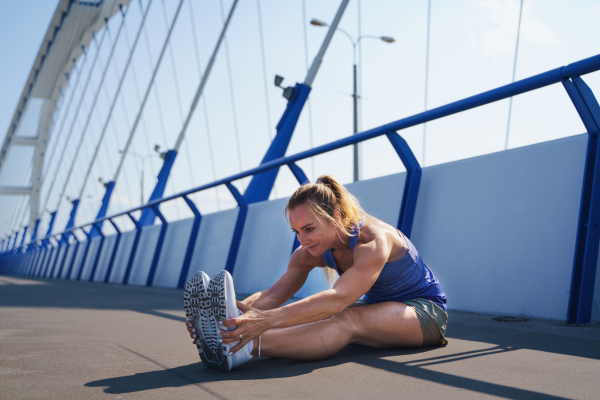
{"x": 337, "y": 215}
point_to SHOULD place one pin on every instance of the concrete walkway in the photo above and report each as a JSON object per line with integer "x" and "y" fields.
{"x": 80, "y": 340}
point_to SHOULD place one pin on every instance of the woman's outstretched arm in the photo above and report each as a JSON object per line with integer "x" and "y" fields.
{"x": 287, "y": 285}
{"x": 369, "y": 259}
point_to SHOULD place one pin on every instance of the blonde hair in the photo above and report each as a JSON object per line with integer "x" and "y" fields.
{"x": 322, "y": 199}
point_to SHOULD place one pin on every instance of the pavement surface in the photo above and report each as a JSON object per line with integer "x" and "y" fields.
{"x": 80, "y": 340}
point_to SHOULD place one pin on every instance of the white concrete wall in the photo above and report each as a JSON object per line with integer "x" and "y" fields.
{"x": 173, "y": 253}
{"x": 79, "y": 253}
{"x": 212, "y": 245}
{"x": 62, "y": 250}
{"x": 67, "y": 261}
{"x": 498, "y": 231}
{"x": 265, "y": 247}
{"x": 144, "y": 255}
{"x": 51, "y": 260}
{"x": 122, "y": 257}
{"x": 104, "y": 260}
{"x": 90, "y": 258}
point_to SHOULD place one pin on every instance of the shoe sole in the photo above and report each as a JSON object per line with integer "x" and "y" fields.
{"x": 196, "y": 304}
{"x": 218, "y": 295}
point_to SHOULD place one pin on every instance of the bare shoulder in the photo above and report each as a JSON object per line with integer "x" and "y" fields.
{"x": 380, "y": 234}
{"x": 373, "y": 229}
{"x": 302, "y": 258}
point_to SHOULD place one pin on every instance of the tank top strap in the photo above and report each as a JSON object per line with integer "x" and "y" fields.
{"x": 328, "y": 259}
{"x": 354, "y": 237}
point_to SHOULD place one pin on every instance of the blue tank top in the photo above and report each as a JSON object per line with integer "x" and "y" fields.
{"x": 404, "y": 279}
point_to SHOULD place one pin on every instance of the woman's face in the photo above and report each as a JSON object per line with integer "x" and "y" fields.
{"x": 315, "y": 234}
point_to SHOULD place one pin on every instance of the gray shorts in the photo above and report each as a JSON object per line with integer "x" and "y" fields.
{"x": 432, "y": 318}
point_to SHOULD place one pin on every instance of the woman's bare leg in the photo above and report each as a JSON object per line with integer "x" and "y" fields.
{"x": 386, "y": 324}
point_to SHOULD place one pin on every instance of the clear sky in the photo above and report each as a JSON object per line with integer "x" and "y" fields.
{"x": 472, "y": 49}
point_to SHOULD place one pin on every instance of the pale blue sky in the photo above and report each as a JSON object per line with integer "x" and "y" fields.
{"x": 472, "y": 50}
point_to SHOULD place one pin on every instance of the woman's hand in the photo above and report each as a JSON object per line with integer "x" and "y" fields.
{"x": 191, "y": 330}
{"x": 251, "y": 324}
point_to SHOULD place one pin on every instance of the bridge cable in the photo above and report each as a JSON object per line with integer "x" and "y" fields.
{"x": 102, "y": 82}
{"x": 264, "y": 68}
{"x": 82, "y": 103}
{"x": 210, "y": 147}
{"x": 71, "y": 37}
{"x": 310, "y": 122}
{"x": 158, "y": 103}
{"x": 231, "y": 91}
{"x": 66, "y": 142}
{"x": 124, "y": 106}
{"x": 510, "y": 102}
{"x": 77, "y": 113}
{"x": 177, "y": 91}
{"x": 148, "y": 91}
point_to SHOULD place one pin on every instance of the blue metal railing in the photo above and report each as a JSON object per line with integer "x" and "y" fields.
{"x": 588, "y": 238}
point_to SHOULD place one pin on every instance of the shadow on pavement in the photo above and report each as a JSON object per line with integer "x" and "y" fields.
{"x": 538, "y": 335}
{"x": 270, "y": 368}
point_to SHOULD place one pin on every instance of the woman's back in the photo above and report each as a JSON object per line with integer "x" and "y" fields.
{"x": 406, "y": 277}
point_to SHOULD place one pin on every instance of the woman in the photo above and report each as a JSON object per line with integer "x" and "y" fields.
{"x": 385, "y": 295}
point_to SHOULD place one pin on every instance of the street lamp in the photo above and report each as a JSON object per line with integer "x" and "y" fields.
{"x": 387, "y": 39}
{"x": 144, "y": 158}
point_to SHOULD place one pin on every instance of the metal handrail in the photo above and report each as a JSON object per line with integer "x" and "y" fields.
{"x": 556, "y": 75}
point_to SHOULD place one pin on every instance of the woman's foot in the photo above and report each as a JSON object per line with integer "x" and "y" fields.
{"x": 197, "y": 306}
{"x": 222, "y": 295}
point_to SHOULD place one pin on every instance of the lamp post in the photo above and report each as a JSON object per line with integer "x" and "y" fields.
{"x": 143, "y": 158}
{"x": 387, "y": 39}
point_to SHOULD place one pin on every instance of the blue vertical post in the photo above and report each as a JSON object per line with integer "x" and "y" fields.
{"x": 261, "y": 184}
{"x": 32, "y": 248}
{"x": 148, "y": 215}
{"x": 65, "y": 238}
{"x": 35, "y": 231}
{"x": 20, "y": 255}
{"x": 51, "y": 224}
{"x": 85, "y": 252}
{"x": 411, "y": 185}
{"x": 72, "y": 262}
{"x": 45, "y": 244}
{"x": 136, "y": 242}
{"x": 185, "y": 268}
{"x": 64, "y": 259}
{"x": 98, "y": 230}
{"x": 46, "y": 263}
{"x": 113, "y": 256}
{"x": 14, "y": 240}
{"x": 23, "y": 237}
{"x": 239, "y": 228}
{"x": 159, "y": 246}
{"x": 588, "y": 228}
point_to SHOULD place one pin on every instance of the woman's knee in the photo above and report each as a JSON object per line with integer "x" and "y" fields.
{"x": 347, "y": 321}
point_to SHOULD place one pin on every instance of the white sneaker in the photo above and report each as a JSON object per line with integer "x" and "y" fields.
{"x": 222, "y": 295}
{"x": 196, "y": 303}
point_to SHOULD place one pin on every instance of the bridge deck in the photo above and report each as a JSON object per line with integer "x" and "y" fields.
{"x": 61, "y": 339}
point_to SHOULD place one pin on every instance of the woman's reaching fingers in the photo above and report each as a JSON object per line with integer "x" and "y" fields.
{"x": 230, "y": 322}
